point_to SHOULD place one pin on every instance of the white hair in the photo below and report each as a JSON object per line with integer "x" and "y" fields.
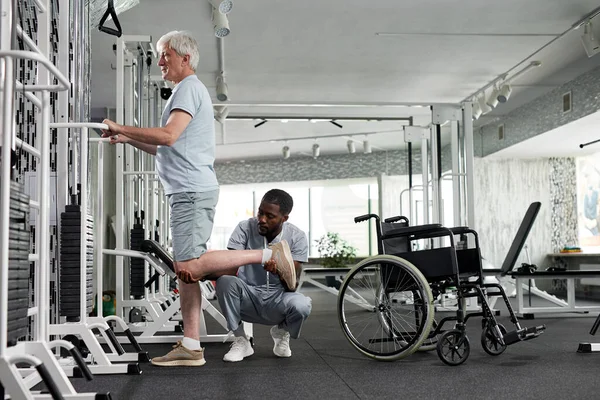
{"x": 182, "y": 43}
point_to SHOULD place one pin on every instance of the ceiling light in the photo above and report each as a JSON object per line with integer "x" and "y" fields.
{"x": 351, "y": 147}
{"x": 224, "y": 6}
{"x": 504, "y": 93}
{"x": 336, "y": 124}
{"x": 222, "y": 88}
{"x": 590, "y": 44}
{"x": 264, "y": 121}
{"x": 492, "y": 101}
{"x": 316, "y": 150}
{"x": 366, "y": 147}
{"x": 284, "y": 121}
{"x": 220, "y": 24}
{"x": 476, "y": 110}
{"x": 286, "y": 152}
{"x": 485, "y": 108}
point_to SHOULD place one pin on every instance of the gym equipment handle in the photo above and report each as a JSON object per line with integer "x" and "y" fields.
{"x": 114, "y": 341}
{"x": 110, "y": 11}
{"x": 81, "y": 363}
{"x": 133, "y": 341}
{"x": 152, "y": 280}
{"x": 50, "y": 384}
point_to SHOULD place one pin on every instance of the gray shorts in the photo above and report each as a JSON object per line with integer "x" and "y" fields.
{"x": 192, "y": 217}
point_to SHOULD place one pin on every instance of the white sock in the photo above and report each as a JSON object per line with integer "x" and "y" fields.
{"x": 191, "y": 344}
{"x": 267, "y": 254}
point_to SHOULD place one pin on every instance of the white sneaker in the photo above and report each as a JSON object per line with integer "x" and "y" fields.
{"x": 240, "y": 349}
{"x": 282, "y": 342}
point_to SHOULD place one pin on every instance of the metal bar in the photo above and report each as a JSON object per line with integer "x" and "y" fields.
{"x": 27, "y": 40}
{"x": 27, "y": 147}
{"x": 29, "y": 96}
{"x": 64, "y": 83}
{"x": 456, "y": 179}
{"x": 469, "y": 160}
{"x": 7, "y": 127}
{"x": 119, "y": 228}
{"x": 92, "y": 125}
{"x": 44, "y": 220}
{"x": 83, "y": 154}
{"x": 425, "y": 174}
{"x": 99, "y": 231}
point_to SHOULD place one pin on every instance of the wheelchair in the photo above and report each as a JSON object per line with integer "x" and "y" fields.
{"x": 386, "y": 302}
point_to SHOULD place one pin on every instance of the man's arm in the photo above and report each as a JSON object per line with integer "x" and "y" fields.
{"x": 164, "y": 136}
{"x": 148, "y": 148}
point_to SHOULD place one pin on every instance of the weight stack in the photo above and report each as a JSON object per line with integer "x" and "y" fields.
{"x": 18, "y": 264}
{"x": 70, "y": 257}
{"x": 136, "y": 268}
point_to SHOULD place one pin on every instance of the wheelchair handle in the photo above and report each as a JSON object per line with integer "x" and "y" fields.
{"x": 366, "y": 217}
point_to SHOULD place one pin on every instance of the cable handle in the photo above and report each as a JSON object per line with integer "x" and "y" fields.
{"x": 110, "y": 11}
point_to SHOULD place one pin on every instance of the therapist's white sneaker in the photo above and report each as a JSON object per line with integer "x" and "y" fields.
{"x": 240, "y": 349}
{"x": 282, "y": 342}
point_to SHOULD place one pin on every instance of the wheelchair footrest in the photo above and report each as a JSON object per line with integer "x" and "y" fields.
{"x": 523, "y": 334}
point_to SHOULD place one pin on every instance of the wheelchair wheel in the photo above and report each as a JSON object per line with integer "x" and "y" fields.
{"x": 490, "y": 342}
{"x": 430, "y": 344}
{"x": 385, "y": 307}
{"x": 453, "y": 347}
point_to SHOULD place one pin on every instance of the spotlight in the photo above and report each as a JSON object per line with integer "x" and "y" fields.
{"x": 476, "y": 110}
{"x": 224, "y": 6}
{"x": 316, "y": 150}
{"x": 366, "y": 147}
{"x": 351, "y": 147}
{"x": 590, "y": 44}
{"x": 492, "y": 101}
{"x": 504, "y": 94}
{"x": 264, "y": 121}
{"x": 485, "y": 108}
{"x": 285, "y": 151}
{"x": 336, "y": 124}
{"x": 222, "y": 88}
{"x": 220, "y": 24}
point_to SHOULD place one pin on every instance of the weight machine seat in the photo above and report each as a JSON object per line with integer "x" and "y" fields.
{"x": 152, "y": 246}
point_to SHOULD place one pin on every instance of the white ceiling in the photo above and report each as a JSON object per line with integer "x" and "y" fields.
{"x": 282, "y": 58}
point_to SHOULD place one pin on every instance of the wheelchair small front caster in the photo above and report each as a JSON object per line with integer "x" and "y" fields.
{"x": 453, "y": 347}
{"x": 490, "y": 342}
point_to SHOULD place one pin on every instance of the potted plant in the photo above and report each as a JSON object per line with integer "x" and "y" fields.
{"x": 334, "y": 252}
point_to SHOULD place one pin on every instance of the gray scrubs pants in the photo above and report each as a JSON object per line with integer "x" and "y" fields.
{"x": 242, "y": 302}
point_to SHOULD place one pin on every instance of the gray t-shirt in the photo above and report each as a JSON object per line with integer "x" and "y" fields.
{"x": 246, "y": 237}
{"x": 187, "y": 165}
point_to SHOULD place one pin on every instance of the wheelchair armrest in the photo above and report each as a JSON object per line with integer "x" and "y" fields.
{"x": 458, "y": 230}
{"x": 396, "y": 219}
{"x": 415, "y": 230}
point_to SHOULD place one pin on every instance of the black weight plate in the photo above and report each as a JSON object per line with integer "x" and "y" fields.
{"x": 18, "y": 274}
{"x": 18, "y": 294}
{"x": 18, "y": 284}
{"x": 16, "y": 314}
{"x": 18, "y": 245}
{"x": 18, "y": 304}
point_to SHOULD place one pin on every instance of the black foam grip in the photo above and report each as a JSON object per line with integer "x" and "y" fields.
{"x": 115, "y": 342}
{"x": 133, "y": 341}
{"x": 50, "y": 384}
{"x": 81, "y": 363}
